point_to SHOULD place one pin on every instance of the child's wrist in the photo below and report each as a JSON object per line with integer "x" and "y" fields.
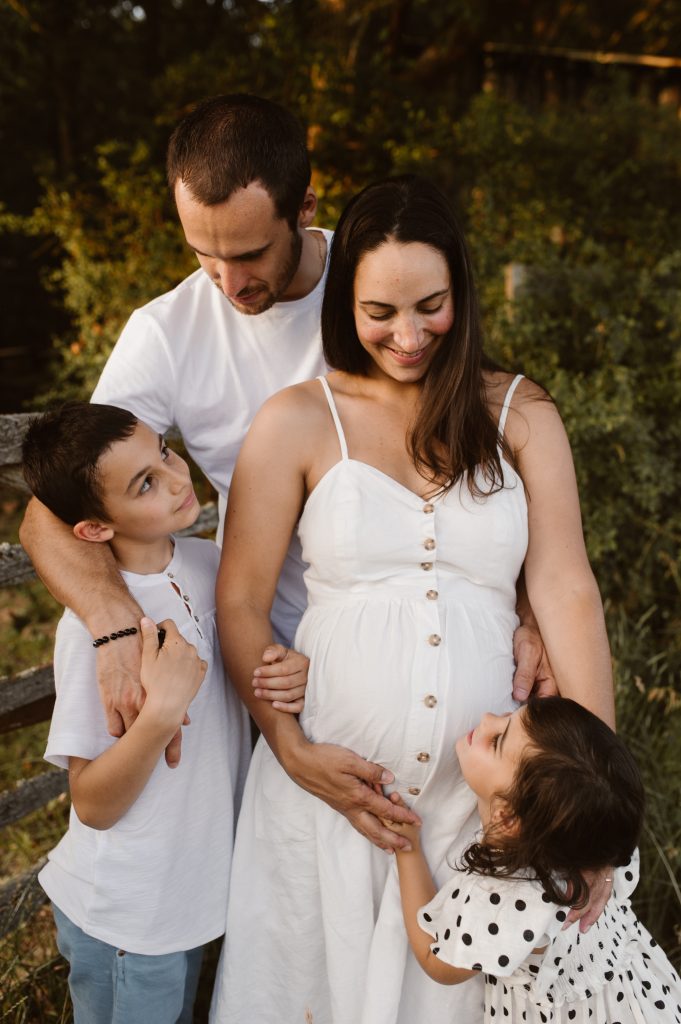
{"x": 162, "y": 721}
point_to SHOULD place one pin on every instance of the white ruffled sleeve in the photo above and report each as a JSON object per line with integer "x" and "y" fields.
{"x": 489, "y": 924}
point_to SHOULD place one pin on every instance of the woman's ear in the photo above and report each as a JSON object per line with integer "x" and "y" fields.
{"x": 90, "y": 529}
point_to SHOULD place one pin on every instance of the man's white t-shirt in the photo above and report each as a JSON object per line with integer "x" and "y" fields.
{"x": 157, "y": 881}
{"x": 189, "y": 359}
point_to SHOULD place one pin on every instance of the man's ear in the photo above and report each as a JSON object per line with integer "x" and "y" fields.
{"x": 90, "y": 529}
{"x": 308, "y": 210}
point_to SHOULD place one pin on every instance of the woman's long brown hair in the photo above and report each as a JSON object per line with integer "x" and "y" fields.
{"x": 454, "y": 433}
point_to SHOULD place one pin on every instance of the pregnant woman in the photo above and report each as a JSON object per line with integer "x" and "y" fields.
{"x": 421, "y": 478}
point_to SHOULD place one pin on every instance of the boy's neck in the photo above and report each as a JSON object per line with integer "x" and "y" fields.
{"x": 143, "y": 559}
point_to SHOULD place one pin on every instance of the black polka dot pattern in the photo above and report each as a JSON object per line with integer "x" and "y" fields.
{"x": 493, "y": 926}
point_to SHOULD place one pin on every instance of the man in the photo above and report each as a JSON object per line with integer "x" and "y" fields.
{"x": 204, "y": 357}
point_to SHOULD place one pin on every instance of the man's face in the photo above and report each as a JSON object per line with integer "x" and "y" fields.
{"x": 248, "y": 252}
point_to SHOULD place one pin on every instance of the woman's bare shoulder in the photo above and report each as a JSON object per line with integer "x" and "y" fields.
{"x": 497, "y": 383}
{"x": 298, "y": 407}
{"x": 529, "y": 402}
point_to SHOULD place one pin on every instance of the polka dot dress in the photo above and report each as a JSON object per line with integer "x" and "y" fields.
{"x": 614, "y": 974}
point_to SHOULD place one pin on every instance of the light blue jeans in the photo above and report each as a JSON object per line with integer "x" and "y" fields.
{"x": 112, "y": 986}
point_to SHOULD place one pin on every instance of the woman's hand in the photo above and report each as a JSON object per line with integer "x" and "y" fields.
{"x": 351, "y": 785}
{"x": 282, "y": 678}
{"x": 600, "y": 891}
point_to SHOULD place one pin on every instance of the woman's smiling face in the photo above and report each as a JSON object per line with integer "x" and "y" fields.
{"x": 403, "y": 307}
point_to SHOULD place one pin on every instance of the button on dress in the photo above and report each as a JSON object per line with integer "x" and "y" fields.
{"x": 406, "y": 655}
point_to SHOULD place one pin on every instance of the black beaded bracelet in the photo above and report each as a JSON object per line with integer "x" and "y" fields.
{"x": 114, "y": 636}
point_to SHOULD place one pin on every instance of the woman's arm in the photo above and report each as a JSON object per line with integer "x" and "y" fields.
{"x": 102, "y": 790}
{"x": 560, "y": 584}
{"x": 265, "y": 501}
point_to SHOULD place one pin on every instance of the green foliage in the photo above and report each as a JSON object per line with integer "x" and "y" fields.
{"x": 121, "y": 247}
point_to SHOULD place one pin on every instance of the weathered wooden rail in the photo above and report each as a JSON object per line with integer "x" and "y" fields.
{"x": 28, "y": 697}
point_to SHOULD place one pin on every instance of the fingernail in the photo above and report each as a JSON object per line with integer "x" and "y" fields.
{"x": 257, "y": 672}
{"x": 407, "y": 849}
{"x": 387, "y": 777}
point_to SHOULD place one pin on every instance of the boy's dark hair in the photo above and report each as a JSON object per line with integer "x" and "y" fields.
{"x": 61, "y": 452}
{"x": 577, "y": 798}
{"x": 228, "y": 142}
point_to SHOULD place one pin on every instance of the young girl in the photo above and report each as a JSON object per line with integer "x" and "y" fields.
{"x": 558, "y": 794}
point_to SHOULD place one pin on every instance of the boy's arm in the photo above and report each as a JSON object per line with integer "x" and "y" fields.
{"x": 103, "y": 789}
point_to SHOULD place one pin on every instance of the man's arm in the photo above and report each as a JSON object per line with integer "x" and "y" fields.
{"x": 533, "y": 675}
{"x": 85, "y": 578}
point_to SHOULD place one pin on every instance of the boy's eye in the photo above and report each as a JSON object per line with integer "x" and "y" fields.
{"x": 146, "y": 484}
{"x": 165, "y": 451}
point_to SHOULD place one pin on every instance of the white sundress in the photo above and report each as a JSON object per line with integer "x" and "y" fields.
{"x": 613, "y": 974}
{"x": 409, "y": 630}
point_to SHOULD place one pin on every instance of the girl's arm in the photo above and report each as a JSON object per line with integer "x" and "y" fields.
{"x": 560, "y": 584}
{"x": 102, "y": 790}
{"x": 265, "y": 501}
{"x": 416, "y": 889}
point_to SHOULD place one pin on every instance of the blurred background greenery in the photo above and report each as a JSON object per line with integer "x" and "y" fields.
{"x": 555, "y": 128}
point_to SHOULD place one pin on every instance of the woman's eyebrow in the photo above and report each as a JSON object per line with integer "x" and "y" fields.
{"x": 388, "y": 305}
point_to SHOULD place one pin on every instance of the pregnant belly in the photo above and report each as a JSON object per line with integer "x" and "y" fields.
{"x": 378, "y": 686}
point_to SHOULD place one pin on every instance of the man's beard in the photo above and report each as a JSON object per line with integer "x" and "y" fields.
{"x": 273, "y": 294}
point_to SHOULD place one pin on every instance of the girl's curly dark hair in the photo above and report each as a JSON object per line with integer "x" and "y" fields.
{"x": 577, "y": 801}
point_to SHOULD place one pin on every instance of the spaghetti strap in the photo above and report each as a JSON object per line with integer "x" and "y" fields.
{"x": 507, "y": 402}
{"x": 336, "y": 418}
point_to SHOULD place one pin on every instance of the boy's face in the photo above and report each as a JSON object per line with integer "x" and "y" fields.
{"x": 489, "y": 756}
{"x": 146, "y": 488}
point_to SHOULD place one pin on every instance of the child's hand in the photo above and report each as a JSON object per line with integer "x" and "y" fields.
{"x": 282, "y": 678}
{"x": 409, "y": 831}
{"x": 171, "y": 675}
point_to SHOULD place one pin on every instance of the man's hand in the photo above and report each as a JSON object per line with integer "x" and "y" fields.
{"x": 282, "y": 678}
{"x": 121, "y": 692}
{"x": 533, "y": 675}
{"x": 600, "y": 891}
{"x": 346, "y": 782}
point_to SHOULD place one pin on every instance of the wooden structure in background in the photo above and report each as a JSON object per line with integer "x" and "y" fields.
{"x": 544, "y": 74}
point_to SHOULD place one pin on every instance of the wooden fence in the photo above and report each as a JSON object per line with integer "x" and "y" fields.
{"x": 28, "y": 697}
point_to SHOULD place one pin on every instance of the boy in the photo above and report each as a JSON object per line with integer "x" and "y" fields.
{"x": 139, "y": 882}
